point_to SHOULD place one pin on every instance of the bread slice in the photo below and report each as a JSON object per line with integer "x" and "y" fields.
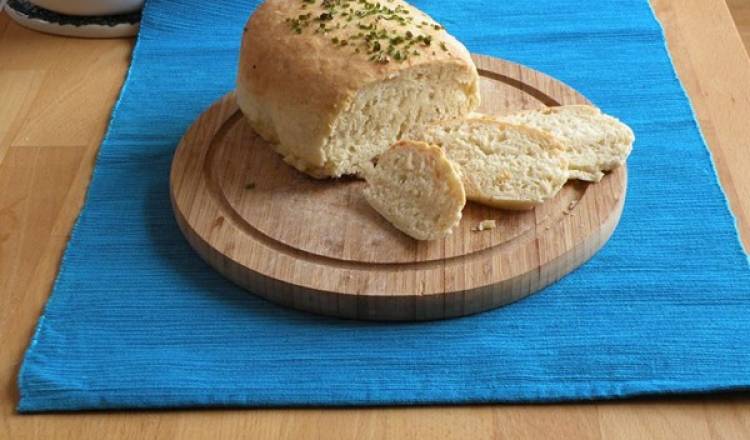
{"x": 332, "y": 85}
{"x": 502, "y": 165}
{"x": 595, "y": 142}
{"x": 416, "y": 188}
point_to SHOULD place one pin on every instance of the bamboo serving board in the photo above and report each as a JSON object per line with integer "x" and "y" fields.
{"x": 317, "y": 245}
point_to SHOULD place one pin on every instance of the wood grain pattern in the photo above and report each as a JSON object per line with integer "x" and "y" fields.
{"x": 317, "y": 246}
{"x": 741, "y": 14}
{"x": 37, "y": 212}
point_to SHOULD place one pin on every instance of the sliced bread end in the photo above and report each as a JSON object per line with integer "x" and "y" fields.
{"x": 416, "y": 188}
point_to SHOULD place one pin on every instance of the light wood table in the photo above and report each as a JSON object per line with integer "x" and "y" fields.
{"x": 55, "y": 98}
{"x": 740, "y": 10}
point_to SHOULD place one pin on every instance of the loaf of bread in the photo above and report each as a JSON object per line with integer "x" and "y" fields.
{"x": 502, "y": 165}
{"x": 333, "y": 83}
{"x": 594, "y": 142}
{"x": 416, "y": 188}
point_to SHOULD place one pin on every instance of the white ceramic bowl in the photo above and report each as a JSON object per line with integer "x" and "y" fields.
{"x": 90, "y": 7}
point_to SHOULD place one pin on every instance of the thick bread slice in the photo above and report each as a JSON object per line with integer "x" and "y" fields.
{"x": 333, "y": 83}
{"x": 595, "y": 142}
{"x": 416, "y": 188}
{"x": 502, "y": 165}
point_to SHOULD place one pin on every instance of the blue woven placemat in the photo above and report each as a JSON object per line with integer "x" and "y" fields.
{"x": 136, "y": 319}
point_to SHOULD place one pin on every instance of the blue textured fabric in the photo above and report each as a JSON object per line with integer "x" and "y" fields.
{"x": 136, "y": 319}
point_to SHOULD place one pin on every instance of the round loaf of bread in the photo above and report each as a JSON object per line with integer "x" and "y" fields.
{"x": 594, "y": 142}
{"x": 416, "y": 188}
{"x": 333, "y": 83}
{"x": 502, "y": 165}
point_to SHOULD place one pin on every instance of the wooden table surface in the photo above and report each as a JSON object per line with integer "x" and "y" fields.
{"x": 55, "y": 99}
{"x": 740, "y": 10}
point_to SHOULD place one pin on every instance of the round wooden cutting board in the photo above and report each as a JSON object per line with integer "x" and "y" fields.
{"x": 317, "y": 245}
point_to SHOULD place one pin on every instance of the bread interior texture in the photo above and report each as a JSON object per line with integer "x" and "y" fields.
{"x": 380, "y": 113}
{"x": 502, "y": 165}
{"x": 417, "y": 190}
{"x": 594, "y": 142}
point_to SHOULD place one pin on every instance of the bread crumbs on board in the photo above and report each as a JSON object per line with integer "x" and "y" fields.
{"x": 485, "y": 225}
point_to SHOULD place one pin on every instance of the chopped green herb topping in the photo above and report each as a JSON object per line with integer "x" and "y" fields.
{"x": 371, "y": 18}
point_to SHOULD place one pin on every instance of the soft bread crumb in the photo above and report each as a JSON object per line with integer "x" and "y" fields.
{"x": 502, "y": 165}
{"x": 486, "y": 225}
{"x": 594, "y": 142}
{"x": 416, "y": 188}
